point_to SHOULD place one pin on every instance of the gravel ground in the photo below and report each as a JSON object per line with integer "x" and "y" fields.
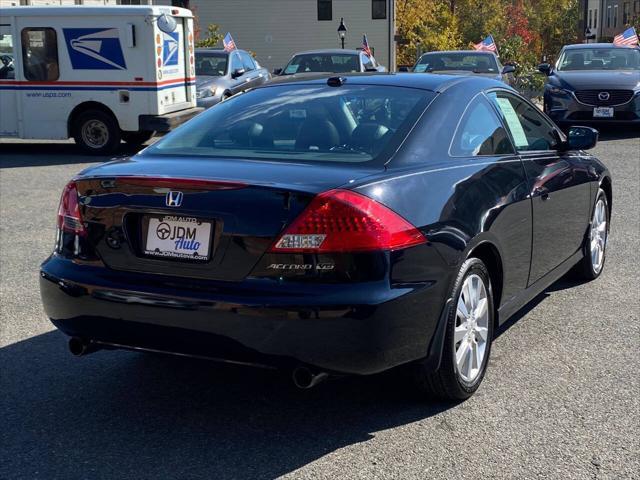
{"x": 560, "y": 399}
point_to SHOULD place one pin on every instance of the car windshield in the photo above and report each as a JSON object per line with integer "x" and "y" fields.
{"x": 304, "y": 123}
{"x": 211, "y": 64}
{"x": 336, "y": 63}
{"x": 599, "y": 59}
{"x": 468, "y": 62}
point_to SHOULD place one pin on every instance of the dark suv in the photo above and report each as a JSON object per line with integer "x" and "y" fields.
{"x": 596, "y": 83}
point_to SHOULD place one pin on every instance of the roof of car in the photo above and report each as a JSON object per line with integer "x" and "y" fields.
{"x": 329, "y": 51}
{"x": 577, "y": 46}
{"x": 423, "y": 81}
{"x": 215, "y": 50}
{"x": 460, "y": 51}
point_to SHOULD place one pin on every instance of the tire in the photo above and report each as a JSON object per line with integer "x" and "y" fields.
{"x": 458, "y": 380}
{"x": 595, "y": 242}
{"x": 137, "y": 138}
{"x": 96, "y": 132}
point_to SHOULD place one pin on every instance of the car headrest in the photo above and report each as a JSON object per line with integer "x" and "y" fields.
{"x": 368, "y": 137}
{"x": 317, "y": 134}
{"x": 251, "y": 134}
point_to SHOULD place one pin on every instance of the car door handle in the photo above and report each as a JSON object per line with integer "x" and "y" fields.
{"x": 542, "y": 192}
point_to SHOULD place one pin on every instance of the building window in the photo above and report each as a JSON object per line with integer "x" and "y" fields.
{"x": 379, "y": 9}
{"x": 636, "y": 6}
{"x": 595, "y": 18}
{"x": 40, "y": 54}
{"x": 325, "y": 10}
{"x": 615, "y": 16}
{"x": 609, "y": 16}
{"x": 626, "y": 13}
{"x": 590, "y": 19}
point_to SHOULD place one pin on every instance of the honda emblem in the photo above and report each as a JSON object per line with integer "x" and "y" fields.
{"x": 173, "y": 199}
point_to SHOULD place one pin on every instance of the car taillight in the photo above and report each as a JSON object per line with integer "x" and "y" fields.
{"x": 345, "y": 221}
{"x": 69, "y": 218}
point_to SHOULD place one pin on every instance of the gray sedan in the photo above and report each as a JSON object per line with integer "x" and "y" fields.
{"x": 464, "y": 62}
{"x": 220, "y": 74}
{"x": 330, "y": 61}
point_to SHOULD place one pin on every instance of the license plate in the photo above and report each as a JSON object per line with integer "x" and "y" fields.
{"x": 178, "y": 237}
{"x": 603, "y": 112}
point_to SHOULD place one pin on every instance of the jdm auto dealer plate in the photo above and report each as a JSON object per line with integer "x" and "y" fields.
{"x": 603, "y": 112}
{"x": 171, "y": 236}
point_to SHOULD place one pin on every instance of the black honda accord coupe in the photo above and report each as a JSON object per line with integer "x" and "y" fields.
{"x": 331, "y": 226}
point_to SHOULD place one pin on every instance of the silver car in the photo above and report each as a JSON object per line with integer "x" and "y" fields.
{"x": 464, "y": 62}
{"x": 330, "y": 61}
{"x": 220, "y": 74}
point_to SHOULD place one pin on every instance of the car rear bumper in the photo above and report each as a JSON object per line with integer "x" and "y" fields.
{"x": 357, "y": 329}
{"x": 168, "y": 121}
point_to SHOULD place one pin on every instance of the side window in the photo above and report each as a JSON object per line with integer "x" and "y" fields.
{"x": 247, "y": 62}
{"x": 325, "y": 10}
{"x": 529, "y": 129}
{"x": 236, "y": 62}
{"x": 480, "y": 132}
{"x": 40, "y": 54}
{"x": 378, "y": 9}
{"x": 366, "y": 61}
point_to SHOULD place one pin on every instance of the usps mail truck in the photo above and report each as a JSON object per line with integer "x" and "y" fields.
{"x": 97, "y": 74}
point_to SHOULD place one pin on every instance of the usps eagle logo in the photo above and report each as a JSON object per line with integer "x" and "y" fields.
{"x": 170, "y": 48}
{"x": 94, "y": 48}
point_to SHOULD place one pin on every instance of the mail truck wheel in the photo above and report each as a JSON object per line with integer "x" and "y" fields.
{"x": 137, "y": 138}
{"x": 96, "y": 132}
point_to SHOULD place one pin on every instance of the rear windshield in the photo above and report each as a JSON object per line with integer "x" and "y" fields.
{"x": 336, "y": 63}
{"x": 599, "y": 59}
{"x": 468, "y": 62}
{"x": 307, "y": 123}
{"x": 211, "y": 64}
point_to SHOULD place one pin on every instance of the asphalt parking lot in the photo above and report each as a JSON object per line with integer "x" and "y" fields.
{"x": 561, "y": 398}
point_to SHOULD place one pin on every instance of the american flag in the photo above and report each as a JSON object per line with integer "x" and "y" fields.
{"x": 365, "y": 46}
{"x": 229, "y": 44}
{"x": 487, "y": 45}
{"x": 628, "y": 38}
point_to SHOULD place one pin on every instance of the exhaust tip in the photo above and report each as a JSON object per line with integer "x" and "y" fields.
{"x": 79, "y": 347}
{"x": 304, "y": 378}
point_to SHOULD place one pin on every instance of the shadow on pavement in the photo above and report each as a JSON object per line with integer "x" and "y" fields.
{"x": 619, "y": 133}
{"x": 16, "y": 155}
{"x": 128, "y": 415}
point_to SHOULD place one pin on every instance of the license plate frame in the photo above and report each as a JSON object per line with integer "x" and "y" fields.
{"x": 603, "y": 112}
{"x": 161, "y": 243}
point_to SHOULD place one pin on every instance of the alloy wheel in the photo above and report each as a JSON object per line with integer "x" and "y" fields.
{"x": 598, "y": 235}
{"x": 472, "y": 328}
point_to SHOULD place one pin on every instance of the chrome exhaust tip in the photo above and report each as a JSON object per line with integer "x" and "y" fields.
{"x": 305, "y": 378}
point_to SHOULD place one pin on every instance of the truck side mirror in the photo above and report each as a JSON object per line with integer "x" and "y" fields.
{"x": 508, "y": 69}
{"x": 277, "y": 71}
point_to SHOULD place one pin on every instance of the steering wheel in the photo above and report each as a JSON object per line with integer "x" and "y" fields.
{"x": 7, "y": 61}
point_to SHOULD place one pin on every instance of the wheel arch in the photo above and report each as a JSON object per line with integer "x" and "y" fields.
{"x": 85, "y": 106}
{"x": 490, "y": 256}
{"x": 605, "y": 185}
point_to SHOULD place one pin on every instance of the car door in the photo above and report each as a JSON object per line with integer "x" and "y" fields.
{"x": 8, "y": 95}
{"x": 559, "y": 192}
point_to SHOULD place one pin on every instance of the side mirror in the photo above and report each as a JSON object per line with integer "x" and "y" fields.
{"x": 508, "y": 69}
{"x": 277, "y": 71}
{"x": 403, "y": 69}
{"x": 581, "y": 138}
{"x": 545, "y": 68}
{"x": 238, "y": 72}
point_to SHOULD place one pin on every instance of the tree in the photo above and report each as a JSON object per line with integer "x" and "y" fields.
{"x": 212, "y": 37}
